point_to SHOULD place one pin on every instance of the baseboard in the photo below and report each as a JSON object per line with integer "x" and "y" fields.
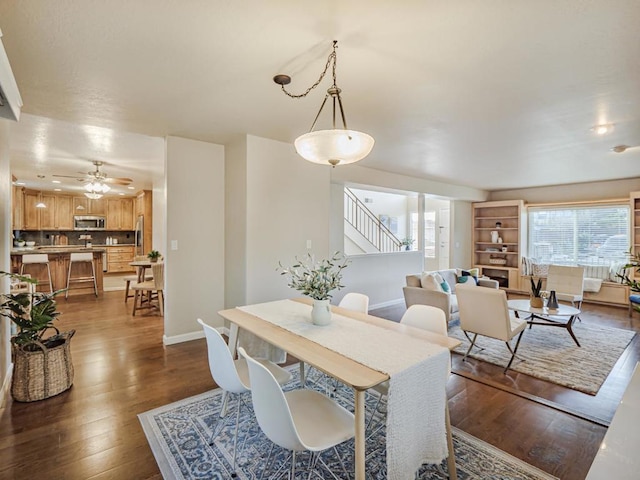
{"x": 6, "y": 387}
{"x": 390, "y": 303}
{"x": 185, "y": 337}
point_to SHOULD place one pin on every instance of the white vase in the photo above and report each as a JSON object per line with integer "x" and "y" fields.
{"x": 321, "y": 312}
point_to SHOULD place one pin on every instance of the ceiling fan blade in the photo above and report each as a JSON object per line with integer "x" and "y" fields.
{"x": 69, "y": 176}
{"x": 118, "y": 180}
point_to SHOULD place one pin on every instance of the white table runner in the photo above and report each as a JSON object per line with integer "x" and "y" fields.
{"x": 418, "y": 373}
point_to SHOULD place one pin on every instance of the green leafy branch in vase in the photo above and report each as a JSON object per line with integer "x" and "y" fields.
{"x": 315, "y": 279}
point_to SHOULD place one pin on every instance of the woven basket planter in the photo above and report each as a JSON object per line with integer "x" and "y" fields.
{"x": 42, "y": 373}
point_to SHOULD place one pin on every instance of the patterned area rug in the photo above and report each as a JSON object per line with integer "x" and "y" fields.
{"x": 549, "y": 353}
{"x": 178, "y": 435}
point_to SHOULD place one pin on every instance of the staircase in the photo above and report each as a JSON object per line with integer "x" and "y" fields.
{"x": 368, "y": 225}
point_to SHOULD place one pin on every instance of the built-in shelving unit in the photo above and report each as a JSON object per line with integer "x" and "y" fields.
{"x": 499, "y": 259}
{"x": 635, "y": 221}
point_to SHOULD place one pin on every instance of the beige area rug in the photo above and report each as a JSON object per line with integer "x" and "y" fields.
{"x": 550, "y": 353}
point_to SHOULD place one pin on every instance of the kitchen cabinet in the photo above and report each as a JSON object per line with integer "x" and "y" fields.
{"x": 64, "y": 212}
{"x": 56, "y": 215}
{"x": 86, "y": 206}
{"x": 31, "y": 212}
{"x": 17, "y": 208}
{"x": 48, "y": 213}
{"x": 120, "y": 214}
{"x": 118, "y": 258}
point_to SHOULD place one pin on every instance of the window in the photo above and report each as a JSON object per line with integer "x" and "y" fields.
{"x": 579, "y": 235}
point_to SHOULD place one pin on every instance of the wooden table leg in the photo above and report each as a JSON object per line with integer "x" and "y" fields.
{"x": 360, "y": 437}
{"x": 451, "y": 460}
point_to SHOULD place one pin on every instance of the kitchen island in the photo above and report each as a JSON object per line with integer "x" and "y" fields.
{"x": 59, "y": 264}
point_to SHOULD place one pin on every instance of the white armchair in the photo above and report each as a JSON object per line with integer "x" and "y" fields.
{"x": 484, "y": 311}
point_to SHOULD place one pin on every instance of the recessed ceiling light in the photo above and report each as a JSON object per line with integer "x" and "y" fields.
{"x": 57, "y": 189}
{"x": 602, "y": 129}
{"x": 20, "y": 184}
{"x": 56, "y": 181}
{"x": 120, "y": 193}
{"x": 620, "y": 148}
{"x": 131, "y": 188}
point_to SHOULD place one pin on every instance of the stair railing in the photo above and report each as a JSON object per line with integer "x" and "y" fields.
{"x": 370, "y": 227}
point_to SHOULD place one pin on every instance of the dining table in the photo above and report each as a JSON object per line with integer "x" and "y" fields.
{"x": 379, "y": 350}
{"x": 141, "y": 268}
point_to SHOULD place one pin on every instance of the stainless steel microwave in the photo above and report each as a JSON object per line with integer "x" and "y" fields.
{"x": 89, "y": 222}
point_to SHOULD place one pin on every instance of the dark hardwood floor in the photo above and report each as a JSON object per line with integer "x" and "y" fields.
{"x": 122, "y": 369}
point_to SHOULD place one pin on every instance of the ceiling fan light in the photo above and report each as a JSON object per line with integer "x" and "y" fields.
{"x": 334, "y": 147}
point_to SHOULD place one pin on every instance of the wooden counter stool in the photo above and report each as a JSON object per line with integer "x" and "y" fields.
{"x": 82, "y": 258}
{"x": 37, "y": 259}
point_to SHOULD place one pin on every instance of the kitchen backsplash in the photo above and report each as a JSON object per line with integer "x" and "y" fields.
{"x": 73, "y": 237}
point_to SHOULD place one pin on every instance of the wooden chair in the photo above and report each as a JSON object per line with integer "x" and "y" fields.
{"x": 153, "y": 288}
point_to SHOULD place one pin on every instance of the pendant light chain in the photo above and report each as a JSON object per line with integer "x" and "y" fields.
{"x": 332, "y": 58}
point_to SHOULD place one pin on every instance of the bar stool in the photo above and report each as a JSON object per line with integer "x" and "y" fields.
{"x": 37, "y": 259}
{"x": 82, "y": 258}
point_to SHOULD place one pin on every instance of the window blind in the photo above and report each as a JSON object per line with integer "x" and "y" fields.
{"x": 572, "y": 235}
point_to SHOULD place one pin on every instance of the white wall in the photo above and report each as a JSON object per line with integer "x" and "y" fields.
{"x": 235, "y": 226}
{"x": 5, "y": 247}
{"x": 194, "y": 273}
{"x": 578, "y": 192}
{"x": 287, "y": 201}
{"x": 159, "y": 212}
{"x": 380, "y": 277}
{"x": 461, "y": 219}
{"x": 356, "y": 174}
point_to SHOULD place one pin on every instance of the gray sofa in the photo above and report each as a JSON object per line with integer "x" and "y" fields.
{"x": 448, "y": 303}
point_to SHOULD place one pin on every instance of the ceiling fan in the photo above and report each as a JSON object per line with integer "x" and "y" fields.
{"x": 98, "y": 176}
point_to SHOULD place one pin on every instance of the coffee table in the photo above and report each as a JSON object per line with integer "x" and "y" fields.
{"x": 563, "y": 316}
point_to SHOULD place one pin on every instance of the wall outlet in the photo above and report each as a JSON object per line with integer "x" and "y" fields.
{"x": 174, "y": 244}
{"x": 308, "y": 244}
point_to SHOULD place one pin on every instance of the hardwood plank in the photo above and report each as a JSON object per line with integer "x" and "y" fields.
{"x": 122, "y": 369}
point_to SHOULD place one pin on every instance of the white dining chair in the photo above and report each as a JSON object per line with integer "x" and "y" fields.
{"x": 357, "y": 302}
{"x": 298, "y": 420}
{"x": 232, "y": 376}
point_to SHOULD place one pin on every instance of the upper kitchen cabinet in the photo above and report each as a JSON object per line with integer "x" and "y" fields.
{"x": 120, "y": 214}
{"x": 17, "y": 208}
{"x": 31, "y": 219}
{"x": 54, "y": 215}
{"x": 86, "y": 206}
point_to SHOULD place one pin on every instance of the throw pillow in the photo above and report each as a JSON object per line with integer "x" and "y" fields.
{"x": 434, "y": 281}
{"x": 464, "y": 276}
{"x": 429, "y": 282}
{"x": 445, "y": 286}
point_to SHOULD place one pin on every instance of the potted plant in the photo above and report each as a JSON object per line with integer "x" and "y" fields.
{"x": 316, "y": 279}
{"x": 406, "y": 243}
{"x": 536, "y": 300}
{"x": 154, "y": 255}
{"x": 42, "y": 365}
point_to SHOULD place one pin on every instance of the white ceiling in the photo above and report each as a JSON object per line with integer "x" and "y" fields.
{"x": 494, "y": 94}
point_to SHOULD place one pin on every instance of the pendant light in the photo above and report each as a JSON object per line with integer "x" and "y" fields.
{"x": 336, "y": 146}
